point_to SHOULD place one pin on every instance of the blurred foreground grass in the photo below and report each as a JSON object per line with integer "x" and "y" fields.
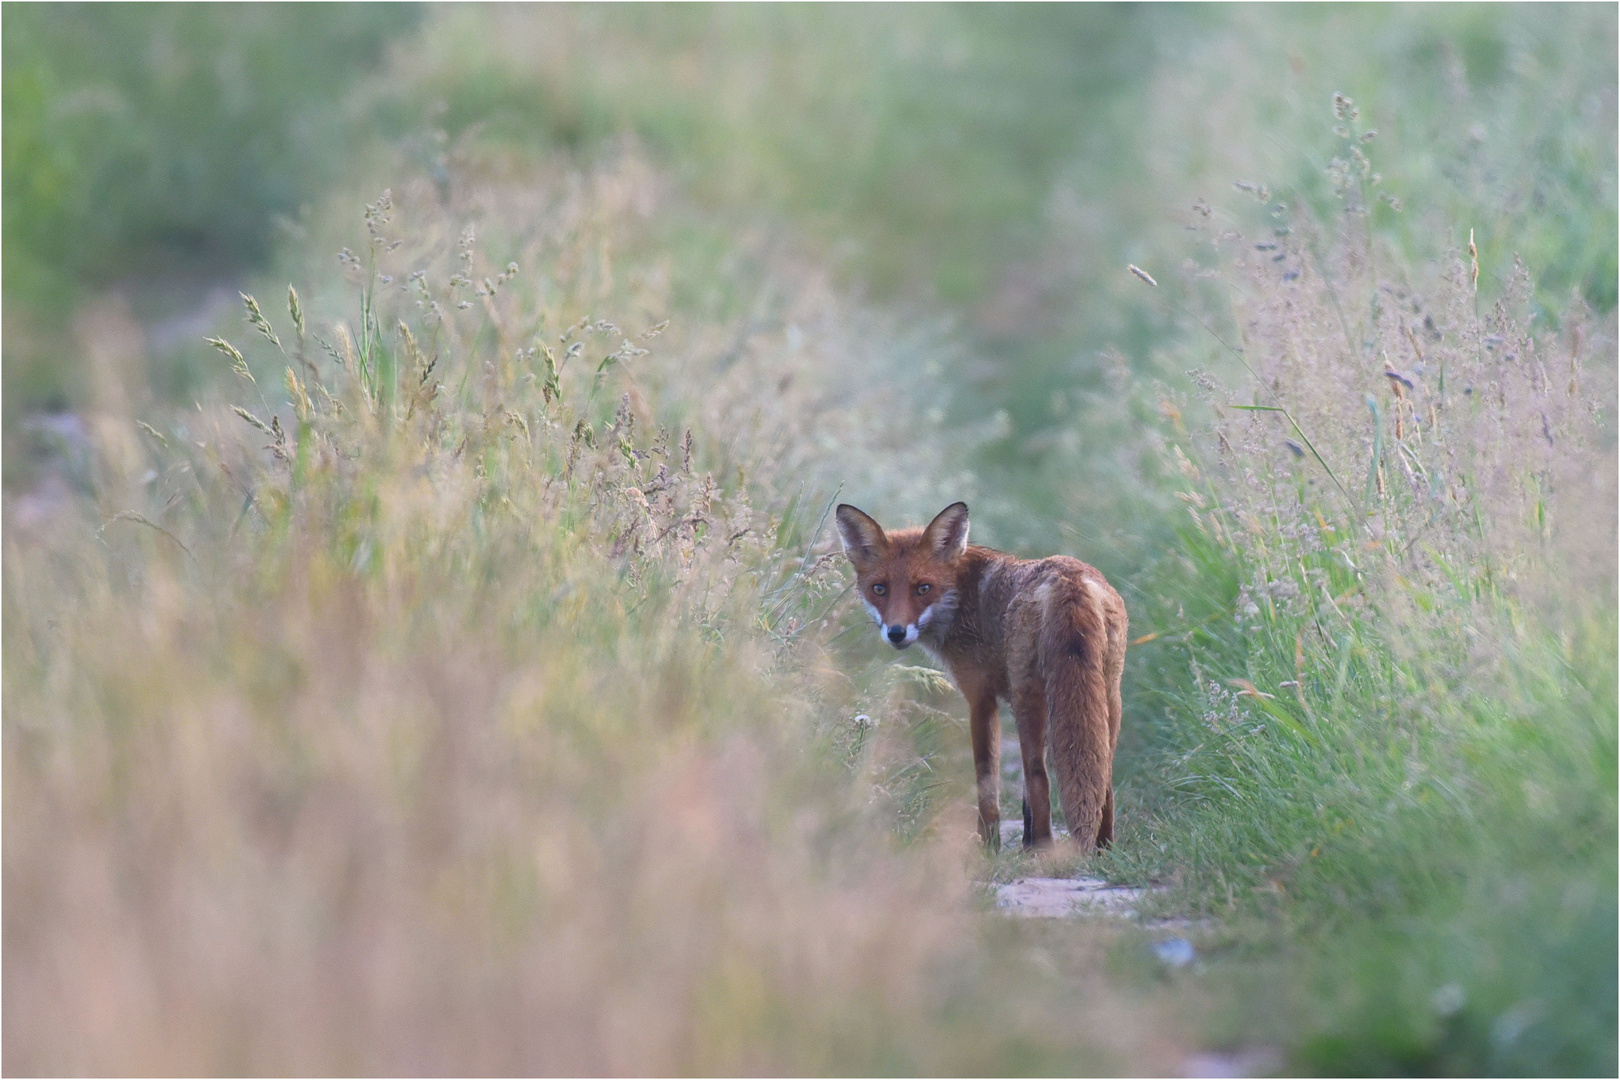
{"x": 456, "y": 710}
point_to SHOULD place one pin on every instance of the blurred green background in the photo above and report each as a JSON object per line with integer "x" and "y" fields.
{"x": 154, "y": 148}
{"x": 999, "y": 163}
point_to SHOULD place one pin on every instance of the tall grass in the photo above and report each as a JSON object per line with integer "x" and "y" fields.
{"x": 1377, "y": 700}
{"x": 1495, "y": 119}
{"x": 448, "y": 697}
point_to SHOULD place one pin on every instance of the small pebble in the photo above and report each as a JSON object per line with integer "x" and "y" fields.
{"x": 1176, "y": 952}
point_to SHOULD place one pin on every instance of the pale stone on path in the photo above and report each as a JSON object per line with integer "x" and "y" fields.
{"x": 1053, "y": 898}
{"x": 1255, "y": 1061}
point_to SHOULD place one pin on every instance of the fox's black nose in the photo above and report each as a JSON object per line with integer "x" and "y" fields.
{"x": 897, "y": 634}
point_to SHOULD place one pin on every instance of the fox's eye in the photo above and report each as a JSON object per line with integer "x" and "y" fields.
{"x": 923, "y": 588}
{"x": 879, "y": 590}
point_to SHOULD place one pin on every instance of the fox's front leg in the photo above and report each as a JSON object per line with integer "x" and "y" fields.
{"x": 985, "y": 725}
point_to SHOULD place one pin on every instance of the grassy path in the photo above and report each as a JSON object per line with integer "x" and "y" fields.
{"x": 467, "y": 680}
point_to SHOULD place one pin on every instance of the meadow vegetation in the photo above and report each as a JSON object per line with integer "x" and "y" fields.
{"x": 1385, "y": 632}
{"x": 461, "y": 676}
{"x": 471, "y": 711}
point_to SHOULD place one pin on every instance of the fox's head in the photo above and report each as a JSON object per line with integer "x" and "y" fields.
{"x": 908, "y": 577}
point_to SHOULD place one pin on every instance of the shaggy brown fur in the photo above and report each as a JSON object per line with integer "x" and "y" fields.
{"x": 1046, "y": 635}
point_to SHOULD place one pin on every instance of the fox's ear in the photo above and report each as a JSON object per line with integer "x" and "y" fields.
{"x": 863, "y": 538}
{"x": 946, "y": 536}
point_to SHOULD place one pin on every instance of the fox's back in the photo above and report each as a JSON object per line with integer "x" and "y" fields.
{"x": 1006, "y": 603}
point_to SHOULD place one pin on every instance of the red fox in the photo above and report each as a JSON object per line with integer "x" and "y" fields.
{"x": 1045, "y": 635}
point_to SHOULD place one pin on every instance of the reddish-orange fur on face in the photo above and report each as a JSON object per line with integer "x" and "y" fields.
{"x": 1045, "y": 635}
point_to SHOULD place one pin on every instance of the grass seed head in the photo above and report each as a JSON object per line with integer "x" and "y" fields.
{"x": 296, "y": 310}
{"x": 256, "y": 318}
{"x": 254, "y": 420}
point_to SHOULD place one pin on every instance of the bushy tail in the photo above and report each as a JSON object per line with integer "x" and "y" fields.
{"x": 1082, "y": 652}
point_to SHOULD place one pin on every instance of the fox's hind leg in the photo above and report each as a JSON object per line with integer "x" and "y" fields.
{"x": 1029, "y": 711}
{"x": 1105, "y": 834}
